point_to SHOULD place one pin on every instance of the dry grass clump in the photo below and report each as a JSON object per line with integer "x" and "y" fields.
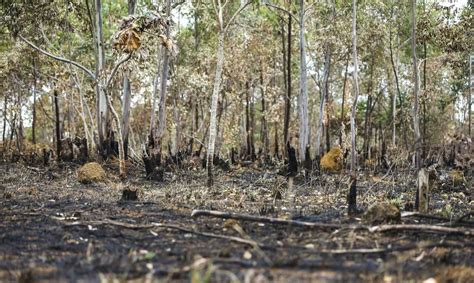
{"x": 90, "y": 173}
{"x": 332, "y": 161}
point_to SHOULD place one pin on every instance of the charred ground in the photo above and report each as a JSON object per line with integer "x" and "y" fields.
{"x": 54, "y": 228}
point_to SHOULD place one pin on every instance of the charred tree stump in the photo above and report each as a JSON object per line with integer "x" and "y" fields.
{"x": 352, "y": 196}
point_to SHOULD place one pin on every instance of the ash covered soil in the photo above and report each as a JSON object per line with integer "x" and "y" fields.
{"x": 53, "y": 228}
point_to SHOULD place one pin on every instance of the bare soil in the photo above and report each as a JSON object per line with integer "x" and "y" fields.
{"x": 53, "y": 228}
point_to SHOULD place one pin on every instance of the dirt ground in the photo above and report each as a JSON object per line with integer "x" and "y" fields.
{"x": 53, "y": 228}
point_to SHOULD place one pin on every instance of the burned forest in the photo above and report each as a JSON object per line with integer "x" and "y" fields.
{"x": 236, "y": 141}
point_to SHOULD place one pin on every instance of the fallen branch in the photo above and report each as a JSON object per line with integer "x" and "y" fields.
{"x": 210, "y": 235}
{"x": 279, "y": 221}
{"x": 441, "y": 244}
{"x": 422, "y": 228}
{"x": 167, "y": 226}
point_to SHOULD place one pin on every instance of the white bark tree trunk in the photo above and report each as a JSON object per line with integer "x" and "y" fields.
{"x": 303, "y": 96}
{"x": 101, "y": 99}
{"x": 214, "y": 101}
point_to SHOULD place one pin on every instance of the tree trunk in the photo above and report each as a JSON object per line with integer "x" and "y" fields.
{"x": 101, "y": 99}
{"x": 33, "y": 124}
{"x": 343, "y": 102}
{"x": 248, "y": 141}
{"x": 469, "y": 104}
{"x": 214, "y": 101}
{"x": 57, "y": 123}
{"x": 367, "y": 122}
{"x": 327, "y": 73}
{"x": 126, "y": 90}
{"x": 324, "y": 89}
{"x": 352, "y": 196}
{"x": 303, "y": 97}
{"x": 394, "y": 102}
{"x": 5, "y": 102}
{"x": 288, "y": 82}
{"x": 265, "y": 141}
{"x": 416, "y": 119}
{"x": 163, "y": 86}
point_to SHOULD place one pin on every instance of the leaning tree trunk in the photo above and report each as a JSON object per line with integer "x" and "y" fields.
{"x": 214, "y": 100}
{"x": 352, "y": 197}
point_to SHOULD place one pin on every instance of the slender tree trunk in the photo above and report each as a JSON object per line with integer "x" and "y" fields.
{"x": 33, "y": 124}
{"x": 327, "y": 73}
{"x": 214, "y": 101}
{"x": 248, "y": 144}
{"x": 367, "y": 122}
{"x": 288, "y": 82}
{"x": 265, "y": 141}
{"x": 101, "y": 99}
{"x": 163, "y": 86}
{"x": 58, "y": 130}
{"x": 126, "y": 90}
{"x": 469, "y": 103}
{"x": 303, "y": 97}
{"x": 343, "y": 102}
{"x": 154, "y": 95}
{"x": 397, "y": 84}
{"x": 322, "y": 103}
{"x": 416, "y": 119}
{"x": 5, "y": 102}
{"x": 352, "y": 197}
